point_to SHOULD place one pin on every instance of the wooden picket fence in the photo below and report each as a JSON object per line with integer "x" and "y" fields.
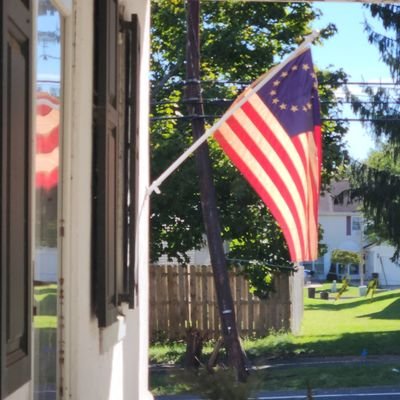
{"x": 184, "y": 296}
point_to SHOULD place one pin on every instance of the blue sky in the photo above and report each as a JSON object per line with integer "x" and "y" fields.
{"x": 49, "y": 53}
{"x": 349, "y": 49}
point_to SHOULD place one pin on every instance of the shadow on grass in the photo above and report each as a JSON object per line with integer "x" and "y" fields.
{"x": 46, "y": 361}
{"x": 392, "y": 311}
{"x": 340, "y": 305}
{"x": 45, "y": 290}
{"x": 348, "y": 344}
{"x": 48, "y": 305}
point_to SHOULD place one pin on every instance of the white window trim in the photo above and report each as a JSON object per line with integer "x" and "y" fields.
{"x": 63, "y": 6}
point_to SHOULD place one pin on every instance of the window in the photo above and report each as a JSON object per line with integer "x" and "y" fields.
{"x": 354, "y": 269}
{"x": 317, "y": 266}
{"x": 115, "y": 129}
{"x": 48, "y": 167}
{"x": 341, "y": 269}
{"x": 348, "y": 225}
{"x": 15, "y": 197}
{"x": 356, "y": 224}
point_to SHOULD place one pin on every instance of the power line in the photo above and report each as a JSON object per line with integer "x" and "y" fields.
{"x": 229, "y": 101}
{"x": 214, "y": 117}
{"x": 242, "y": 83}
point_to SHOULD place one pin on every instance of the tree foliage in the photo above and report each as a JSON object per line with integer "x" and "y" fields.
{"x": 239, "y": 42}
{"x": 345, "y": 257}
{"x": 377, "y": 183}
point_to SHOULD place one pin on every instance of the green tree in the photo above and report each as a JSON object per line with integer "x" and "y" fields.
{"x": 345, "y": 257}
{"x": 240, "y": 41}
{"x": 377, "y": 182}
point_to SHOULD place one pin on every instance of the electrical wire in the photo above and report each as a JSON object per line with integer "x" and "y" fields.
{"x": 229, "y": 101}
{"x": 214, "y": 117}
{"x": 242, "y": 83}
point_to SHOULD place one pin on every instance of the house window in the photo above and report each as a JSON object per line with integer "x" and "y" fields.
{"x": 115, "y": 129}
{"x": 341, "y": 269}
{"x": 317, "y": 266}
{"x": 354, "y": 269}
{"x": 348, "y": 225}
{"x": 15, "y": 193}
{"x": 356, "y": 224}
{"x": 48, "y": 133}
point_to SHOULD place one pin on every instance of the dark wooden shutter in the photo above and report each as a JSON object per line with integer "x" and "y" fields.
{"x": 348, "y": 225}
{"x": 15, "y": 187}
{"x": 132, "y": 50}
{"x": 105, "y": 160}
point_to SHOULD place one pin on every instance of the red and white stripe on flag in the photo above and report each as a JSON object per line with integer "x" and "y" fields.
{"x": 274, "y": 139}
{"x": 47, "y": 137}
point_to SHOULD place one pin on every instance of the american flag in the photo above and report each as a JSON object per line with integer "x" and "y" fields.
{"x": 47, "y": 149}
{"x": 274, "y": 139}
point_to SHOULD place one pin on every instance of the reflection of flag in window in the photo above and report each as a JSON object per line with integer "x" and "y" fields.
{"x": 274, "y": 139}
{"x": 47, "y": 150}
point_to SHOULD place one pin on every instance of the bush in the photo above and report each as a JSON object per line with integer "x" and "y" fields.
{"x": 220, "y": 384}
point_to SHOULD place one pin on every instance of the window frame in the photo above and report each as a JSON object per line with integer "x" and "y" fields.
{"x": 16, "y": 39}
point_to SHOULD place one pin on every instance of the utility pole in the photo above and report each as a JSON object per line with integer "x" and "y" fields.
{"x": 236, "y": 356}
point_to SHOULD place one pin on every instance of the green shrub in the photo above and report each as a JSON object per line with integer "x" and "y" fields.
{"x": 220, "y": 384}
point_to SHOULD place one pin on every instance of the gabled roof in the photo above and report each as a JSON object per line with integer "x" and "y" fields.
{"x": 327, "y": 201}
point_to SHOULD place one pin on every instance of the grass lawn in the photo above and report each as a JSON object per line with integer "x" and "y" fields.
{"x": 335, "y": 376}
{"x": 45, "y": 334}
{"x": 46, "y": 306}
{"x": 349, "y": 326}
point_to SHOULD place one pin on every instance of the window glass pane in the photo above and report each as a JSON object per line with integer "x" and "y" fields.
{"x": 354, "y": 269}
{"x": 48, "y": 111}
{"x": 319, "y": 266}
{"x": 308, "y": 265}
{"x": 356, "y": 224}
{"x": 342, "y": 269}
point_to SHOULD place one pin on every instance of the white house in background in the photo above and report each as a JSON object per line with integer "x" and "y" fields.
{"x": 378, "y": 261}
{"x": 343, "y": 229}
{"x": 343, "y": 226}
{"x": 196, "y": 257}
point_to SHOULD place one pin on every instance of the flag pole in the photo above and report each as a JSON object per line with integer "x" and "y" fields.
{"x": 155, "y": 185}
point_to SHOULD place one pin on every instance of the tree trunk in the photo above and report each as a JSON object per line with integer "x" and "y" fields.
{"x": 236, "y": 355}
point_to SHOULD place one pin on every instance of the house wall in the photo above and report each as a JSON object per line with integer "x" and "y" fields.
{"x": 109, "y": 363}
{"x": 335, "y": 237}
{"x": 378, "y": 261}
{"x": 196, "y": 256}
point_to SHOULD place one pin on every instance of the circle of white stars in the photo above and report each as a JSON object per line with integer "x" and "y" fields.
{"x": 306, "y": 107}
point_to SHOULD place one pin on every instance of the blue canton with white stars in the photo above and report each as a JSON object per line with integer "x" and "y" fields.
{"x": 292, "y": 95}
